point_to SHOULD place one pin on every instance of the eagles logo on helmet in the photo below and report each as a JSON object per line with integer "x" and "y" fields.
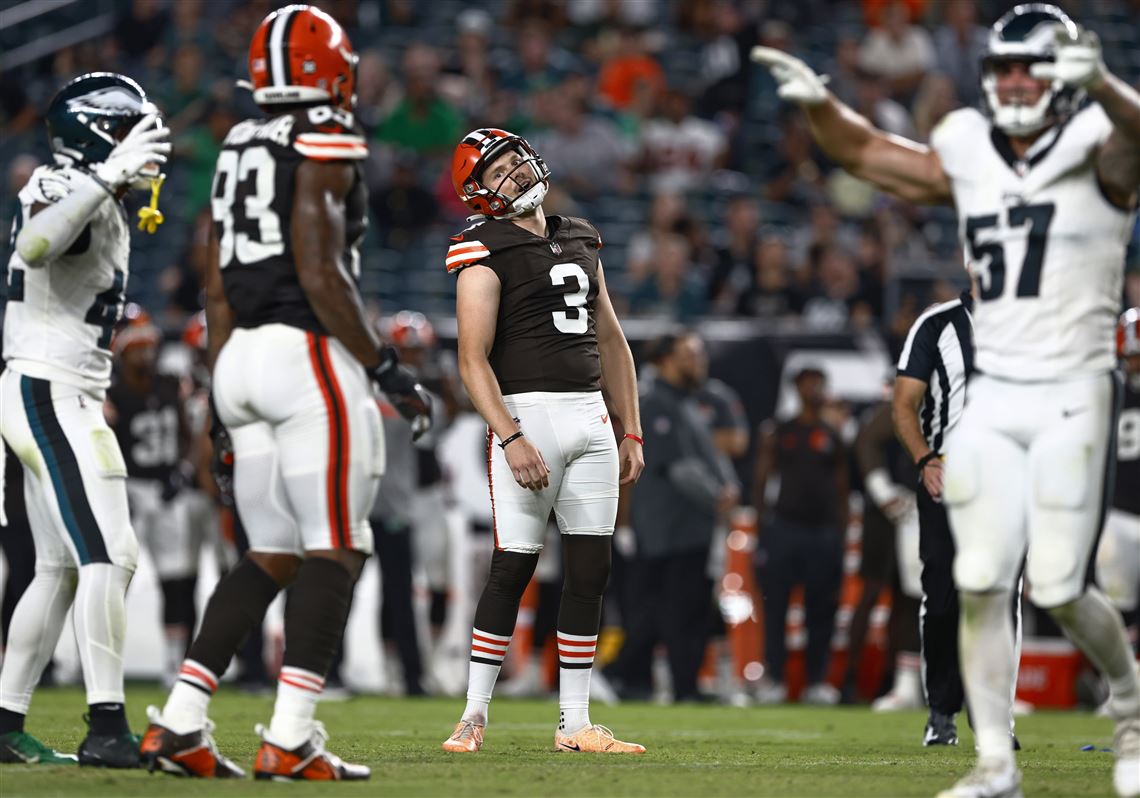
{"x": 91, "y": 114}
{"x": 1028, "y": 34}
{"x": 476, "y": 152}
{"x": 301, "y": 56}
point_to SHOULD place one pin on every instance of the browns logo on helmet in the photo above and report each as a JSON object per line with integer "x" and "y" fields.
{"x": 301, "y": 55}
{"x": 476, "y": 152}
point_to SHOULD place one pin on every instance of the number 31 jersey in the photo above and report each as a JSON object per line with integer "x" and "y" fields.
{"x": 252, "y": 207}
{"x": 60, "y": 314}
{"x": 1044, "y": 243}
{"x": 544, "y": 334}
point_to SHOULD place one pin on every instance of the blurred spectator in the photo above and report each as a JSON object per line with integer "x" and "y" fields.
{"x": 801, "y": 536}
{"x": 187, "y": 27}
{"x": 898, "y": 51}
{"x": 843, "y": 68}
{"x": 724, "y": 66}
{"x": 17, "y": 113}
{"x": 422, "y": 121}
{"x": 520, "y": 13}
{"x": 794, "y": 174}
{"x": 837, "y": 294}
{"x": 666, "y": 212}
{"x": 874, "y": 10}
{"x": 183, "y": 97}
{"x": 377, "y": 92}
{"x": 672, "y": 290}
{"x": 732, "y": 274}
{"x": 638, "y": 13}
{"x": 686, "y": 484}
{"x": 679, "y": 150}
{"x": 198, "y": 150}
{"x": 403, "y": 209}
{"x": 629, "y": 71}
{"x": 584, "y": 152}
{"x": 182, "y": 282}
{"x": 959, "y": 44}
{"x": 772, "y": 292}
{"x": 471, "y": 71}
{"x": 541, "y": 65}
{"x": 873, "y": 101}
{"x": 935, "y": 99}
{"x": 141, "y": 28}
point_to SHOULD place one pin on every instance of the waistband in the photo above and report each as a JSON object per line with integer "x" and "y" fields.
{"x": 528, "y": 398}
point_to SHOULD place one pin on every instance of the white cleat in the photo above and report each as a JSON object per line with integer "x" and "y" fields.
{"x": 988, "y": 781}
{"x": 896, "y": 702}
{"x": 1126, "y": 748}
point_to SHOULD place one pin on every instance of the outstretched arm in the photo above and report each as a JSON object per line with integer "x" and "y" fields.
{"x": 897, "y": 165}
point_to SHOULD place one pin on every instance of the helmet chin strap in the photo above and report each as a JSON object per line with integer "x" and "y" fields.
{"x": 528, "y": 201}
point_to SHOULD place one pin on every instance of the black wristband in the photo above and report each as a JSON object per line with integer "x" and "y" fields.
{"x": 926, "y": 458}
{"x": 503, "y": 443}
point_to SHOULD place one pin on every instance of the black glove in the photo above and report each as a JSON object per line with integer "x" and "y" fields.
{"x": 222, "y": 462}
{"x": 403, "y": 390}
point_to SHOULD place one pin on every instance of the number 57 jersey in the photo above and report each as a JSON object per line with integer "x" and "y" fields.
{"x": 544, "y": 333}
{"x": 1043, "y": 242}
{"x": 252, "y": 208}
{"x": 60, "y": 314}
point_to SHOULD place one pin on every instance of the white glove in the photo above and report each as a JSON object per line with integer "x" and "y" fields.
{"x": 798, "y": 82}
{"x": 1079, "y": 62}
{"x": 147, "y": 144}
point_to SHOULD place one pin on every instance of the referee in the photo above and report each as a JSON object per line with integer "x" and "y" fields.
{"x": 930, "y": 392}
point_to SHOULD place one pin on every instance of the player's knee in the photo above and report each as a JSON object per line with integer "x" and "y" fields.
{"x": 511, "y": 572}
{"x": 282, "y": 568}
{"x": 587, "y": 564}
{"x": 125, "y": 552}
{"x": 1056, "y": 576}
{"x": 978, "y": 571}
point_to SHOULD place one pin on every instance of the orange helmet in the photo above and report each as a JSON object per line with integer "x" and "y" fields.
{"x": 134, "y": 328}
{"x": 478, "y": 149}
{"x": 1128, "y": 333}
{"x": 409, "y": 328}
{"x": 194, "y": 331}
{"x": 300, "y": 54}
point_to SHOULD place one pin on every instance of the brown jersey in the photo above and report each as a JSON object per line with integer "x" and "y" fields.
{"x": 544, "y": 337}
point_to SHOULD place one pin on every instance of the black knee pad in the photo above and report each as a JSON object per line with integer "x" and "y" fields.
{"x": 586, "y": 563}
{"x": 511, "y": 572}
{"x": 316, "y": 614}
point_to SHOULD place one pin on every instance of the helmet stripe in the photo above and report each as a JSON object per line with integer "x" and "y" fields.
{"x": 278, "y": 42}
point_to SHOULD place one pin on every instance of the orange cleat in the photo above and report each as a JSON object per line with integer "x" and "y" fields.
{"x": 307, "y": 762}
{"x": 194, "y": 754}
{"x": 594, "y": 739}
{"x": 466, "y": 739}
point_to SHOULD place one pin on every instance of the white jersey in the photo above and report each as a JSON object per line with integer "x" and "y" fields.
{"x": 61, "y": 313}
{"x": 1045, "y": 244}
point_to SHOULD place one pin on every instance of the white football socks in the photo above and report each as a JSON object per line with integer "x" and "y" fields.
{"x": 487, "y": 654}
{"x": 576, "y": 663}
{"x": 988, "y": 670}
{"x": 298, "y": 692}
{"x": 189, "y": 699}
{"x": 1095, "y": 626}
{"x": 32, "y": 637}
{"x": 100, "y": 617}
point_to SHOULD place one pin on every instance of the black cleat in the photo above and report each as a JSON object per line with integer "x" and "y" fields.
{"x": 940, "y": 730}
{"x": 109, "y": 751}
{"x": 1016, "y": 742}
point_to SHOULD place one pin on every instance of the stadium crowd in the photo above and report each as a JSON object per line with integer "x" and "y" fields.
{"x": 710, "y": 197}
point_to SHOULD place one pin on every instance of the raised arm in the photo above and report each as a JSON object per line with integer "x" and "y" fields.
{"x": 620, "y": 378}
{"x": 905, "y": 168}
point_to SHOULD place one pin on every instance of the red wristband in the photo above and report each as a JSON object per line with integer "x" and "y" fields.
{"x": 631, "y": 436}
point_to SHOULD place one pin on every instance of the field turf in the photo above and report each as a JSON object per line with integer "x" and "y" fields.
{"x": 707, "y": 751}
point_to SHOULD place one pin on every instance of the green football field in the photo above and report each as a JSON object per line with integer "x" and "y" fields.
{"x": 707, "y": 751}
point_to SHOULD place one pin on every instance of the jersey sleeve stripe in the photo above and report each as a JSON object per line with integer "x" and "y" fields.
{"x": 466, "y": 257}
{"x": 331, "y": 139}
{"x": 335, "y": 152}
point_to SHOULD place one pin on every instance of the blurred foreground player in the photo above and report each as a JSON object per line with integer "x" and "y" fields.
{"x": 65, "y": 293}
{"x": 293, "y": 359}
{"x": 1046, "y": 190}
{"x": 537, "y": 335}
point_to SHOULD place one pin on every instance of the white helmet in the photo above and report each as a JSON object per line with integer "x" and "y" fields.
{"x": 1027, "y": 33}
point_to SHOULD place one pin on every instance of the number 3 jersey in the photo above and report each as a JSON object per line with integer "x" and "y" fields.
{"x": 252, "y": 207}
{"x": 61, "y": 313}
{"x": 544, "y": 334}
{"x": 1044, "y": 243}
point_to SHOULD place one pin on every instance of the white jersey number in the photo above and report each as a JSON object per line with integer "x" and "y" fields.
{"x": 156, "y": 438}
{"x": 255, "y": 166}
{"x": 563, "y": 322}
{"x": 991, "y": 280}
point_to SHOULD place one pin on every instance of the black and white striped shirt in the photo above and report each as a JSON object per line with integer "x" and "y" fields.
{"x": 939, "y": 351}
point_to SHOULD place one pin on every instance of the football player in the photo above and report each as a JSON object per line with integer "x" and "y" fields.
{"x": 293, "y": 362}
{"x": 65, "y": 292}
{"x": 144, "y": 408}
{"x": 1045, "y": 184}
{"x": 537, "y": 336}
{"x": 1118, "y": 558}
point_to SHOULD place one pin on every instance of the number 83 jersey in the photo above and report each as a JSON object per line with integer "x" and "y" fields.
{"x": 61, "y": 314}
{"x": 1043, "y": 242}
{"x": 252, "y": 208}
{"x": 544, "y": 334}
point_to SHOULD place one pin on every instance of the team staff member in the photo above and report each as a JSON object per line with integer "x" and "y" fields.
{"x": 687, "y": 484}
{"x": 801, "y": 539}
